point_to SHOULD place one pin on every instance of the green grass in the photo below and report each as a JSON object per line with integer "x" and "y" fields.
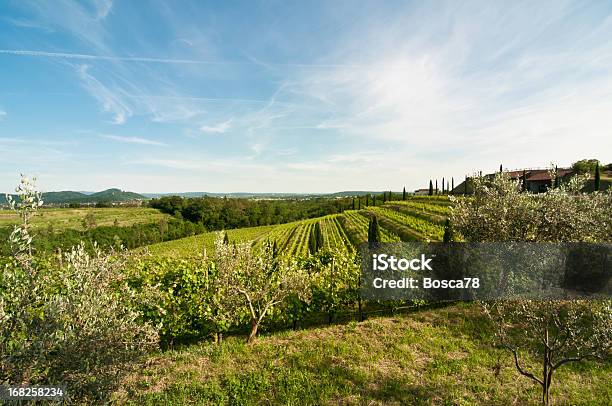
{"x": 441, "y": 357}
{"x": 61, "y": 219}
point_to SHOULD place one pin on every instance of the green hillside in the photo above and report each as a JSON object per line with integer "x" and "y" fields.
{"x": 433, "y": 357}
{"x": 109, "y": 195}
{"x": 416, "y": 219}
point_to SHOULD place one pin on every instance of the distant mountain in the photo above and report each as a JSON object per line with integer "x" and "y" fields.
{"x": 247, "y": 195}
{"x": 109, "y": 195}
{"x": 114, "y": 195}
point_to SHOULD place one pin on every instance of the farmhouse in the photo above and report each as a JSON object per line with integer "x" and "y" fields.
{"x": 536, "y": 180}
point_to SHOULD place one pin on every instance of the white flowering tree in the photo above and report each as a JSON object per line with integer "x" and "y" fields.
{"x": 255, "y": 280}
{"x": 557, "y": 331}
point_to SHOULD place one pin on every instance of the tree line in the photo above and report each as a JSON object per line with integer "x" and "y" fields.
{"x": 224, "y": 213}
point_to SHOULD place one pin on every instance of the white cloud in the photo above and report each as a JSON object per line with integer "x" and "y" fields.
{"x": 108, "y": 98}
{"x": 133, "y": 140}
{"x": 217, "y": 128}
{"x": 2, "y": 114}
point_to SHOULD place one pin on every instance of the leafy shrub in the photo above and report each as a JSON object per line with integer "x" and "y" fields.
{"x": 72, "y": 321}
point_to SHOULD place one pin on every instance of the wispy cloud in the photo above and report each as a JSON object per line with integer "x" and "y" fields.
{"x": 217, "y": 128}
{"x": 2, "y": 114}
{"x": 133, "y": 140}
{"x": 109, "y": 100}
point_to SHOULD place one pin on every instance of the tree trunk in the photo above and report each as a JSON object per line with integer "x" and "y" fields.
{"x": 253, "y": 334}
{"x": 545, "y": 379}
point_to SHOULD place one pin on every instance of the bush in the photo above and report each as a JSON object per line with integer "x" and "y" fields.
{"x": 71, "y": 321}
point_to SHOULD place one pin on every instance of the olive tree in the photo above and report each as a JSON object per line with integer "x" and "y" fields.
{"x": 558, "y": 331}
{"x": 255, "y": 280}
{"x": 69, "y": 321}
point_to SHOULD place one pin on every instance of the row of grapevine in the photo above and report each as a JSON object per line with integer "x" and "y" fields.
{"x": 425, "y": 229}
{"x": 442, "y": 210}
{"x": 355, "y": 225}
{"x": 419, "y": 213}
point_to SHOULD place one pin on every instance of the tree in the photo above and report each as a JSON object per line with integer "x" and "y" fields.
{"x": 367, "y": 202}
{"x": 465, "y": 186}
{"x": 354, "y": 206}
{"x": 319, "y": 235}
{"x": 430, "y": 188}
{"x": 384, "y": 197}
{"x": 312, "y": 242}
{"x": 436, "y": 186}
{"x": 374, "y": 200}
{"x": 559, "y": 331}
{"x": 501, "y": 168}
{"x": 597, "y": 178}
{"x": 524, "y": 184}
{"x": 71, "y": 320}
{"x": 585, "y": 166}
{"x": 404, "y": 193}
{"x": 449, "y": 233}
{"x": 226, "y": 239}
{"x": 452, "y": 184}
{"x": 373, "y": 232}
{"x": 359, "y": 203}
{"x": 256, "y": 281}
{"x": 443, "y": 185}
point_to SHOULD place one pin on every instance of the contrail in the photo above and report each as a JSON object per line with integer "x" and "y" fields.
{"x": 66, "y": 55}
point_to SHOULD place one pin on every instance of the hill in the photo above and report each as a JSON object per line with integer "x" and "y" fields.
{"x": 109, "y": 195}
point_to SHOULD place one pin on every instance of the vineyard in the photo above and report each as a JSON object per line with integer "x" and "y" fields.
{"x": 417, "y": 219}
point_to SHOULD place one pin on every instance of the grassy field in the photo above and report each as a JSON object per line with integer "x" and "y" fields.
{"x": 61, "y": 219}
{"x": 441, "y": 357}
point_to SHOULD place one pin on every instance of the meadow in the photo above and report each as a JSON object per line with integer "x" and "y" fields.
{"x": 59, "y": 219}
{"x": 437, "y": 356}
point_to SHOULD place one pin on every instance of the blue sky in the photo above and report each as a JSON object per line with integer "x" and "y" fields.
{"x": 283, "y": 96}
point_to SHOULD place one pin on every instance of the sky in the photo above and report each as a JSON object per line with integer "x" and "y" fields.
{"x": 294, "y": 96}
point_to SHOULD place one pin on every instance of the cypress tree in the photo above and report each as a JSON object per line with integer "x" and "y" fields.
{"x": 358, "y": 203}
{"x": 404, "y": 194}
{"x": 597, "y": 178}
{"x": 384, "y": 197}
{"x": 501, "y": 169}
{"x": 465, "y": 186}
{"x": 367, "y": 200}
{"x": 226, "y": 240}
{"x": 390, "y": 196}
{"x": 353, "y": 203}
{"x": 447, "y": 187}
{"x": 442, "y": 185}
{"x": 312, "y": 242}
{"x": 449, "y": 233}
{"x": 318, "y": 236}
{"x": 275, "y": 249}
{"x": 374, "y": 200}
{"x": 430, "y": 188}
{"x": 524, "y": 181}
{"x": 373, "y": 232}
{"x": 436, "y": 186}
{"x": 557, "y": 182}
{"x": 452, "y": 184}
